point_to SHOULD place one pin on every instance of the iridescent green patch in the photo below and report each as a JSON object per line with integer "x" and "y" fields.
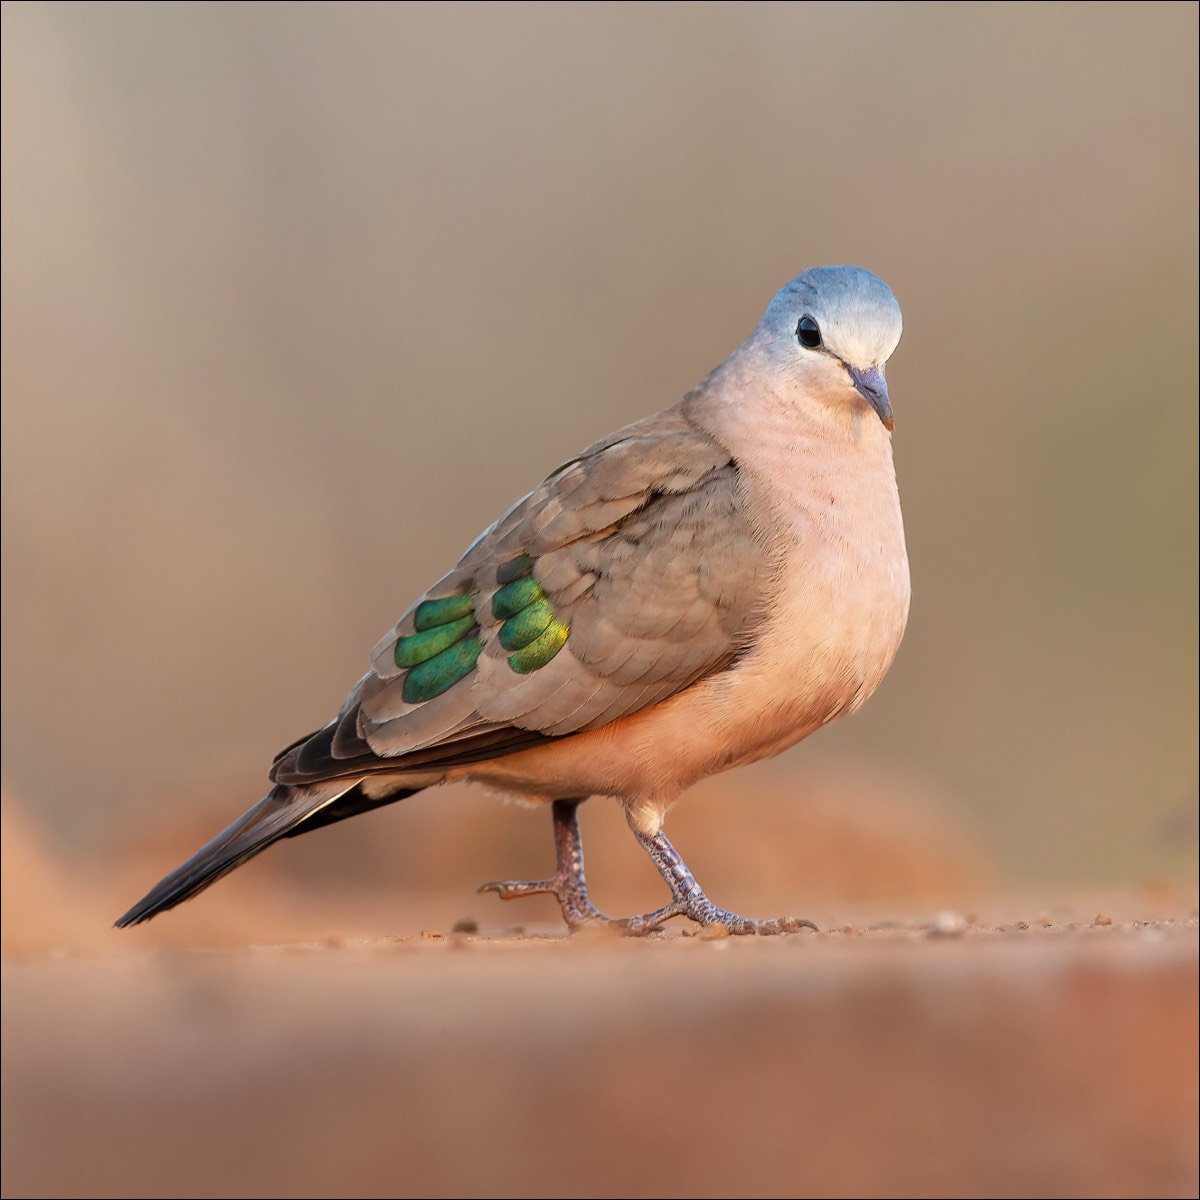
{"x": 513, "y": 597}
{"x": 529, "y": 628}
{"x": 516, "y": 568}
{"x": 444, "y": 648}
{"x": 417, "y": 648}
{"x": 431, "y": 613}
{"x": 520, "y": 629}
{"x": 541, "y": 650}
{"x": 443, "y": 671}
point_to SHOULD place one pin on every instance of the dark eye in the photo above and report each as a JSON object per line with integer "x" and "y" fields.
{"x": 808, "y": 333}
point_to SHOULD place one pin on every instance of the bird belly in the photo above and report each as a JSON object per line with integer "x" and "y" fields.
{"x": 801, "y": 675}
{"x": 827, "y": 638}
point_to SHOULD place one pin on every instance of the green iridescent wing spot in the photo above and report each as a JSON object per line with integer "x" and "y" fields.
{"x": 443, "y": 650}
{"x": 432, "y": 613}
{"x": 529, "y": 627}
{"x": 541, "y": 650}
{"x": 516, "y": 568}
{"x": 417, "y": 648}
{"x": 522, "y": 627}
{"x": 440, "y": 673}
{"x": 515, "y": 596}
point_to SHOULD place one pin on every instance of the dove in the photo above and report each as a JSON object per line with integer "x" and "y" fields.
{"x": 699, "y": 590}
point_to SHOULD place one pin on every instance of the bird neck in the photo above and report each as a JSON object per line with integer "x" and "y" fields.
{"x": 760, "y": 417}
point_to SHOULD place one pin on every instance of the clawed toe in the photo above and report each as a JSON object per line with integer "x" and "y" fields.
{"x": 511, "y": 889}
{"x": 709, "y": 917}
{"x": 568, "y": 887}
{"x": 688, "y": 899}
{"x": 791, "y": 925}
{"x": 577, "y": 910}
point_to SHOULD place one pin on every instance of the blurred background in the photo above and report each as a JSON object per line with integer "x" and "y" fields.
{"x": 297, "y": 298}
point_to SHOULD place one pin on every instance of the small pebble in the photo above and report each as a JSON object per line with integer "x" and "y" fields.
{"x": 948, "y": 924}
{"x": 1102, "y": 919}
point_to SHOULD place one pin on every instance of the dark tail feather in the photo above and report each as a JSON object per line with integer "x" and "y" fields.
{"x": 275, "y": 816}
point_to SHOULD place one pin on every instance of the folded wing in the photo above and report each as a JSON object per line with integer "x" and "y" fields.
{"x": 629, "y": 574}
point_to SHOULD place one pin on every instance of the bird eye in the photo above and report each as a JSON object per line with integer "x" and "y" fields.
{"x": 808, "y": 333}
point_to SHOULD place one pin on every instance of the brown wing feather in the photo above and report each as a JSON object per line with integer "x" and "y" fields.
{"x": 640, "y": 545}
{"x": 312, "y": 760}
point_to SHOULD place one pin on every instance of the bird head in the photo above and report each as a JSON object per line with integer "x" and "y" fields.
{"x": 829, "y": 334}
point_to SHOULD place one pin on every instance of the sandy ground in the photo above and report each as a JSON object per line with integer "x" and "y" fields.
{"x": 985, "y": 1061}
{"x": 268, "y": 1040}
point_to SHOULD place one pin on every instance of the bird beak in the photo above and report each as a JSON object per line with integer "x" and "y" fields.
{"x": 872, "y": 386}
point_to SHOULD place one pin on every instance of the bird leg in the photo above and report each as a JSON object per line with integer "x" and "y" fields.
{"x": 569, "y": 887}
{"x": 688, "y": 898}
{"x": 567, "y": 883}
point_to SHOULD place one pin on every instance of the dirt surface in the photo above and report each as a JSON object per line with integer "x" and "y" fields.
{"x": 1021, "y": 1051}
{"x": 272, "y": 1038}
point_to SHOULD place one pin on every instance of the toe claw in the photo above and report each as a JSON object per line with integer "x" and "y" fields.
{"x": 795, "y": 924}
{"x": 511, "y": 889}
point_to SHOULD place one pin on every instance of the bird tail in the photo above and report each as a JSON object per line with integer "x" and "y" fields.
{"x": 276, "y": 815}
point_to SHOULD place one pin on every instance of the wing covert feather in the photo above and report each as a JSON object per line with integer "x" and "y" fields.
{"x": 640, "y": 547}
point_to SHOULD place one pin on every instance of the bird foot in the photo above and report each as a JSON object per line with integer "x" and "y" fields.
{"x": 580, "y": 913}
{"x": 688, "y": 900}
{"x": 567, "y": 884}
{"x": 577, "y": 910}
{"x": 709, "y": 917}
{"x": 568, "y": 887}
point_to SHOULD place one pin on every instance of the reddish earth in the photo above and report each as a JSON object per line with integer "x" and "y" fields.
{"x": 258, "y": 1043}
